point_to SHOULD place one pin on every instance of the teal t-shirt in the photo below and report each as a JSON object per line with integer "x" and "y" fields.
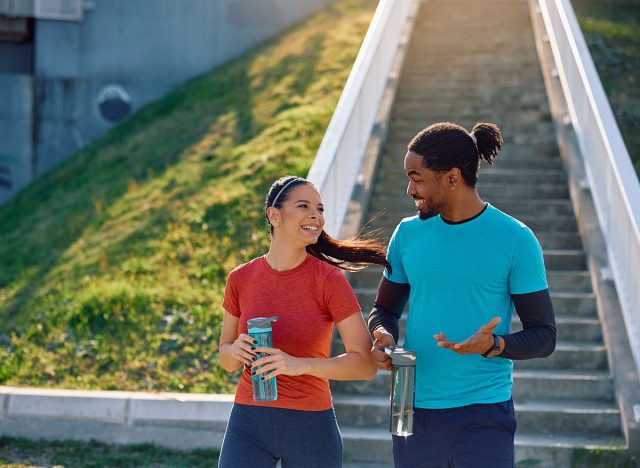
{"x": 461, "y": 276}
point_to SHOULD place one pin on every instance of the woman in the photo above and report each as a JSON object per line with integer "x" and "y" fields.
{"x": 299, "y": 280}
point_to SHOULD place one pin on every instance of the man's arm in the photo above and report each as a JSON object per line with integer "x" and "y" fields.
{"x": 536, "y": 339}
{"x": 538, "y": 335}
{"x": 388, "y": 306}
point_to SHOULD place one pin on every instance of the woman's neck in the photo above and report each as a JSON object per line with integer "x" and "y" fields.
{"x": 283, "y": 258}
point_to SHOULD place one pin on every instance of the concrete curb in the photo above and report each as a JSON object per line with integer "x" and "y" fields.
{"x": 175, "y": 420}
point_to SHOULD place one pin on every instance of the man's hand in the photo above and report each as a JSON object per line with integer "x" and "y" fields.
{"x": 383, "y": 339}
{"x": 479, "y": 343}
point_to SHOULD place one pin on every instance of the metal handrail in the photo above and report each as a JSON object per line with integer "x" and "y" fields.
{"x": 611, "y": 176}
{"x": 336, "y": 165}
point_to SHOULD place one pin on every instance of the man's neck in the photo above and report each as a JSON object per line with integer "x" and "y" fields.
{"x": 463, "y": 206}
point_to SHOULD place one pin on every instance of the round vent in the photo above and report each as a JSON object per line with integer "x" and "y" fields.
{"x": 114, "y": 102}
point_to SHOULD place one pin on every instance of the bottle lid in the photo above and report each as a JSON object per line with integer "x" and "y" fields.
{"x": 261, "y": 322}
{"x": 401, "y": 357}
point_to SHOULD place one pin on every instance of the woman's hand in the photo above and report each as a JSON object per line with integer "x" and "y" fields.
{"x": 278, "y": 362}
{"x": 244, "y": 349}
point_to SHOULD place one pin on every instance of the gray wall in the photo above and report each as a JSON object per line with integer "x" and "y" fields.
{"x": 16, "y": 149}
{"x": 145, "y": 46}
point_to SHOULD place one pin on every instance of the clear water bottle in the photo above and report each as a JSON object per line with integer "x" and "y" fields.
{"x": 403, "y": 377}
{"x": 260, "y": 330}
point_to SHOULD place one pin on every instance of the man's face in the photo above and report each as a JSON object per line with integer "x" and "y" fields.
{"x": 425, "y": 186}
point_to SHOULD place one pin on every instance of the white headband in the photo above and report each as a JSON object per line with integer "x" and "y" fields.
{"x": 275, "y": 200}
{"x": 473, "y": 137}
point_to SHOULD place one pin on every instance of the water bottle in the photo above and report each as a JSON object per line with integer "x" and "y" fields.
{"x": 402, "y": 390}
{"x": 260, "y": 330}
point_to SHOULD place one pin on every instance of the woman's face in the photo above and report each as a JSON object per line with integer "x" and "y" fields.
{"x": 301, "y": 215}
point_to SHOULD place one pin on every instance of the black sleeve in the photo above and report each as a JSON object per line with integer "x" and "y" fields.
{"x": 388, "y": 307}
{"x": 538, "y": 335}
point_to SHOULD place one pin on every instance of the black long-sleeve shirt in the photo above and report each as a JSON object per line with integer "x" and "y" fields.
{"x": 536, "y": 339}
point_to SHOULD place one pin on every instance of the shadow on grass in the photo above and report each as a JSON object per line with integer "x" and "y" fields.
{"x": 23, "y": 452}
{"x": 51, "y": 214}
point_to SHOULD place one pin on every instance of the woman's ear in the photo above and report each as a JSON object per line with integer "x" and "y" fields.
{"x": 273, "y": 215}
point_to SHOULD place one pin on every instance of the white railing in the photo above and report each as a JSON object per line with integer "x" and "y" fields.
{"x": 337, "y": 163}
{"x": 611, "y": 176}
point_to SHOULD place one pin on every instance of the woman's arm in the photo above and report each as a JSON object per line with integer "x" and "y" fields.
{"x": 235, "y": 349}
{"x": 355, "y": 364}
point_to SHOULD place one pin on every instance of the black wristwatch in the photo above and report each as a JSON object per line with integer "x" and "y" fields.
{"x": 495, "y": 349}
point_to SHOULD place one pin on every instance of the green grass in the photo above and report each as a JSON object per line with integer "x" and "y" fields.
{"x": 602, "y": 459}
{"x": 114, "y": 264}
{"x": 18, "y": 453}
{"x": 612, "y": 32}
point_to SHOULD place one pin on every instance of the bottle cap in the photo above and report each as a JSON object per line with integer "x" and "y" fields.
{"x": 261, "y": 322}
{"x": 401, "y": 357}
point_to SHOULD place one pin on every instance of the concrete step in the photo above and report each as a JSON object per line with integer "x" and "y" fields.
{"x": 522, "y": 148}
{"x": 564, "y": 259}
{"x": 538, "y": 224}
{"x": 568, "y": 329}
{"x": 515, "y": 208}
{"x": 559, "y": 281}
{"x": 528, "y": 385}
{"x": 562, "y": 385}
{"x": 373, "y": 445}
{"x": 394, "y": 172}
{"x": 393, "y": 190}
{"x": 565, "y": 304}
{"x": 523, "y": 115}
{"x": 582, "y": 356}
{"x": 572, "y": 329}
{"x": 549, "y": 161}
{"x": 570, "y": 355}
{"x": 501, "y": 101}
{"x": 547, "y": 417}
{"x": 468, "y": 87}
{"x": 501, "y": 175}
{"x": 550, "y": 241}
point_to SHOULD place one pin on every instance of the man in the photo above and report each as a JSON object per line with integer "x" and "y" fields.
{"x": 463, "y": 265}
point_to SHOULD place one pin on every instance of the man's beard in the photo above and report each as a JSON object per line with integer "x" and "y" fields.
{"x": 431, "y": 211}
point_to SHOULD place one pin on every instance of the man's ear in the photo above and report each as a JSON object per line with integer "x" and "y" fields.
{"x": 453, "y": 178}
{"x": 273, "y": 215}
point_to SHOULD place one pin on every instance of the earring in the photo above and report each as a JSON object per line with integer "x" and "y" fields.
{"x": 452, "y": 187}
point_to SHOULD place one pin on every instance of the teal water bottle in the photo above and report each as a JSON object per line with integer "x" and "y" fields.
{"x": 260, "y": 330}
{"x": 402, "y": 390}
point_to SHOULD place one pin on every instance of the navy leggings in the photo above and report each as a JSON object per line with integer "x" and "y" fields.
{"x": 474, "y": 436}
{"x": 259, "y": 436}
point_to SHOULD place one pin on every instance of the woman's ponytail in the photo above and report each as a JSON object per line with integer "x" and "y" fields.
{"x": 351, "y": 255}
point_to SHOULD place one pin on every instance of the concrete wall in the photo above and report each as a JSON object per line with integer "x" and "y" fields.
{"x": 178, "y": 421}
{"x": 139, "y": 49}
{"x": 16, "y": 148}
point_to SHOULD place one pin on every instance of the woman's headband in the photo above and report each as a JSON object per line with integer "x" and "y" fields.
{"x": 284, "y": 187}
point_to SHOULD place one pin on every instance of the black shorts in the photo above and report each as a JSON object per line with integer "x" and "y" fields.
{"x": 474, "y": 436}
{"x": 259, "y": 436}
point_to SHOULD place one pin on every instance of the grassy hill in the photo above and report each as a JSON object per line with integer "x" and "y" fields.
{"x": 612, "y": 32}
{"x": 112, "y": 266}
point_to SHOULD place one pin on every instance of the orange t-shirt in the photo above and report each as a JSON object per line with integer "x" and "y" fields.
{"x": 307, "y": 300}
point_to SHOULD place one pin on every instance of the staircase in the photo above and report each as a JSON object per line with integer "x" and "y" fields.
{"x": 472, "y": 61}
